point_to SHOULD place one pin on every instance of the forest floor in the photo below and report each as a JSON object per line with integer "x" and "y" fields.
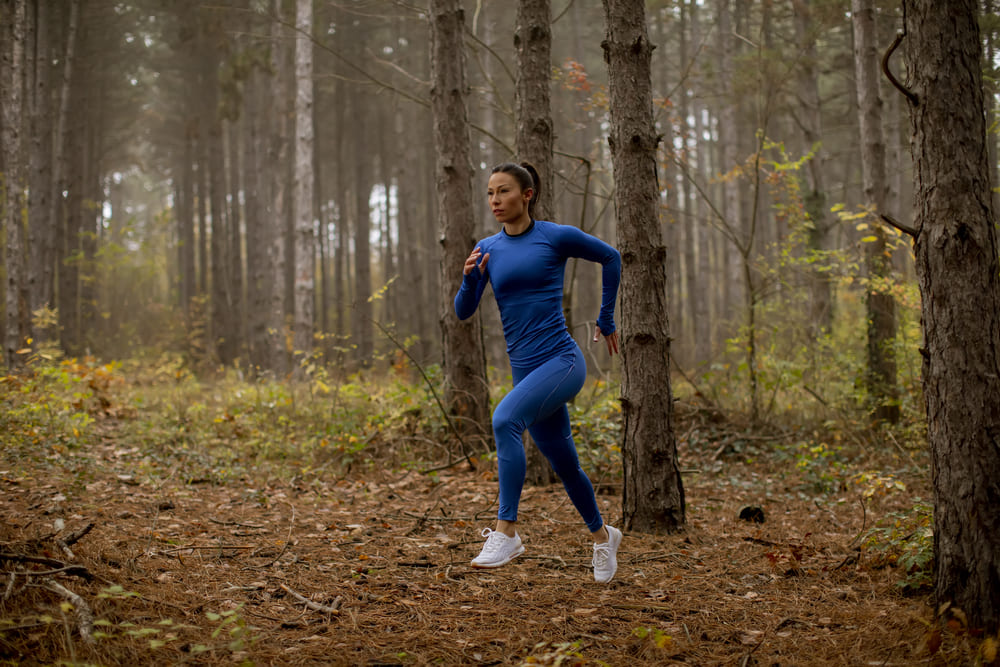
{"x": 370, "y": 566}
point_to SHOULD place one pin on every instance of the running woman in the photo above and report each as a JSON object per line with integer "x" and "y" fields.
{"x": 525, "y": 262}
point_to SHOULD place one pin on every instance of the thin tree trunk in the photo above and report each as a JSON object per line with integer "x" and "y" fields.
{"x": 259, "y": 217}
{"x": 16, "y": 322}
{"x": 305, "y": 233}
{"x": 881, "y": 371}
{"x": 278, "y": 171}
{"x": 653, "y": 496}
{"x": 959, "y": 278}
{"x": 41, "y": 227}
{"x": 467, "y": 391}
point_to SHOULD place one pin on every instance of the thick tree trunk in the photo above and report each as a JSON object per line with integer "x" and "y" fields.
{"x": 467, "y": 391}
{"x": 958, "y": 273}
{"x": 533, "y": 143}
{"x": 881, "y": 371}
{"x": 653, "y": 496}
{"x": 16, "y": 320}
{"x": 305, "y": 234}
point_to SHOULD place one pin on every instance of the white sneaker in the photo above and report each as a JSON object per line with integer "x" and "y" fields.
{"x": 606, "y": 556}
{"x": 498, "y": 550}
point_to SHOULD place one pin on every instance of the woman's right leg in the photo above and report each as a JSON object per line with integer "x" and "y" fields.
{"x": 535, "y": 396}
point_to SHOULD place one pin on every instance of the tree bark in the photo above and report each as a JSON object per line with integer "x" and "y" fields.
{"x": 807, "y": 85}
{"x": 881, "y": 307}
{"x": 533, "y": 143}
{"x": 305, "y": 233}
{"x": 958, "y": 274}
{"x": 41, "y": 227}
{"x": 16, "y": 321}
{"x": 653, "y": 495}
{"x": 466, "y": 390}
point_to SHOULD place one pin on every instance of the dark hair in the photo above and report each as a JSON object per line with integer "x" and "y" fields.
{"x": 526, "y": 176}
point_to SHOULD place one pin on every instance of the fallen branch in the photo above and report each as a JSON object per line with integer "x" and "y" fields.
{"x": 315, "y": 606}
{"x": 76, "y": 536}
{"x": 41, "y": 560}
{"x": 72, "y": 538}
{"x": 84, "y": 616}
{"x": 76, "y": 570}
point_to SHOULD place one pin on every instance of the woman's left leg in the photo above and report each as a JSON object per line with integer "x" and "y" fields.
{"x": 553, "y": 435}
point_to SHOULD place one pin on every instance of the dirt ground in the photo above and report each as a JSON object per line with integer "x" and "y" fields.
{"x": 372, "y": 568}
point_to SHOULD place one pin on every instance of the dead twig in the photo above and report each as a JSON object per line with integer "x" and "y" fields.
{"x": 315, "y": 606}
{"x": 41, "y": 560}
{"x": 288, "y": 538}
{"x": 84, "y": 616}
{"x": 75, "y": 570}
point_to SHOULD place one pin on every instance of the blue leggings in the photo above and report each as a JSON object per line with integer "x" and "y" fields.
{"x": 538, "y": 403}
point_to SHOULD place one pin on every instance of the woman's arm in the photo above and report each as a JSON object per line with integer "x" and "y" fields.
{"x": 574, "y": 243}
{"x": 474, "y": 281}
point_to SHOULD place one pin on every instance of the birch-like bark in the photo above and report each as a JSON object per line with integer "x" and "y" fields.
{"x": 305, "y": 232}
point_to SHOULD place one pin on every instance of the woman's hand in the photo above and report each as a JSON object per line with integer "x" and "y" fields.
{"x": 473, "y": 262}
{"x": 611, "y": 339}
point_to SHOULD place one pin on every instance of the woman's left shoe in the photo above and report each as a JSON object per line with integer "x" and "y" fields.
{"x": 606, "y": 556}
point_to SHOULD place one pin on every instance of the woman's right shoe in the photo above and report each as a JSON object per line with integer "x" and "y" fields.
{"x": 498, "y": 550}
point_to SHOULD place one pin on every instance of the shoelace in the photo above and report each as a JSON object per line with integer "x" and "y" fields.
{"x": 494, "y": 541}
{"x": 602, "y": 552}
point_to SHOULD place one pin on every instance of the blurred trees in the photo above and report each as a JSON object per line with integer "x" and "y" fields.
{"x": 158, "y": 174}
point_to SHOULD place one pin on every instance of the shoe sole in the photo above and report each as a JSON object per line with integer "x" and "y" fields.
{"x": 482, "y": 566}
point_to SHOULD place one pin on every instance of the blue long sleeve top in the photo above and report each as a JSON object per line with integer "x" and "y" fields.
{"x": 527, "y": 273}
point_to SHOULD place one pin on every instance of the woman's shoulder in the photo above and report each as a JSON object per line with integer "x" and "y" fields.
{"x": 489, "y": 240}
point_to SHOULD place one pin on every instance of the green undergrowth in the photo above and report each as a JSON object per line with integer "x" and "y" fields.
{"x": 149, "y": 422}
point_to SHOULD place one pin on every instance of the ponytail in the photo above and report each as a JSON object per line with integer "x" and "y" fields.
{"x": 526, "y": 176}
{"x": 536, "y": 187}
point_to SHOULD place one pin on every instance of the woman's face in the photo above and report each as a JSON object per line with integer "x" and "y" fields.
{"x": 508, "y": 201}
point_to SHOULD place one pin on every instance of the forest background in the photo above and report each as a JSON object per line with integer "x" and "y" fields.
{"x": 156, "y": 332}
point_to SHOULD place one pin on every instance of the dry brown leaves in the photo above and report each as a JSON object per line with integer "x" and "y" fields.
{"x": 373, "y": 570}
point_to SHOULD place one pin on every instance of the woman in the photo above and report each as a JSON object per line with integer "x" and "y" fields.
{"x": 524, "y": 263}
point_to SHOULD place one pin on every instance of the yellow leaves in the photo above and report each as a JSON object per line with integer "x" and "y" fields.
{"x": 988, "y": 650}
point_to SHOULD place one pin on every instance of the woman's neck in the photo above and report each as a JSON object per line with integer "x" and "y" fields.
{"x": 518, "y": 226}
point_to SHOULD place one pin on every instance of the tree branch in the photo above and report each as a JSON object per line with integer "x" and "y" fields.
{"x": 910, "y": 95}
{"x": 906, "y": 229}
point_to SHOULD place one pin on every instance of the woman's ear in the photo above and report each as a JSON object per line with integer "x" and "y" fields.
{"x": 528, "y": 193}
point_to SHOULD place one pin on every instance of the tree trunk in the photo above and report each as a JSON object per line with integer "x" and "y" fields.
{"x": 235, "y": 330}
{"x": 16, "y": 321}
{"x": 533, "y": 143}
{"x": 259, "y": 218}
{"x": 362, "y": 312}
{"x": 305, "y": 234}
{"x": 653, "y": 496}
{"x": 958, "y": 273}
{"x": 881, "y": 371}
{"x": 222, "y": 338}
{"x": 814, "y": 196}
{"x": 278, "y": 172}
{"x": 466, "y": 391}
{"x": 63, "y": 244}
{"x": 41, "y": 227}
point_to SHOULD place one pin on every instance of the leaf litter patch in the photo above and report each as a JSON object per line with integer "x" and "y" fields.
{"x": 372, "y": 568}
